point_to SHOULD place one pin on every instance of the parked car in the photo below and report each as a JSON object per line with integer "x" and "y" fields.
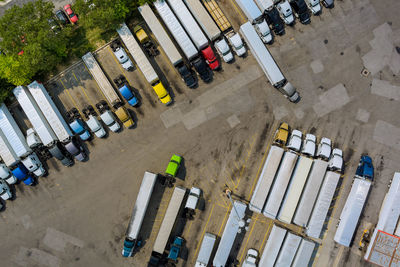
{"x": 282, "y": 134}
{"x": 286, "y": 12}
{"x": 210, "y": 58}
{"x": 301, "y": 10}
{"x": 324, "y": 148}
{"x": 121, "y": 55}
{"x": 223, "y": 48}
{"x": 202, "y": 69}
{"x": 73, "y": 18}
{"x": 187, "y": 76}
{"x": 273, "y": 18}
{"x": 237, "y": 44}
{"x": 60, "y": 15}
{"x": 365, "y": 168}
{"x": 336, "y": 160}
{"x": 264, "y": 32}
{"x": 309, "y": 145}
{"x": 295, "y": 140}
{"x": 314, "y": 6}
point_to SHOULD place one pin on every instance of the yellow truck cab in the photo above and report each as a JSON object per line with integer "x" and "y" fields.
{"x": 141, "y": 34}
{"x": 282, "y": 134}
{"x": 124, "y": 116}
{"x": 161, "y": 92}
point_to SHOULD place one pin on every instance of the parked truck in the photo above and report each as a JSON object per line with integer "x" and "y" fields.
{"x": 126, "y": 91}
{"x": 138, "y": 213}
{"x": 168, "y": 46}
{"x": 228, "y": 237}
{"x": 295, "y": 189}
{"x": 288, "y": 250}
{"x": 268, "y": 64}
{"x": 145, "y": 41}
{"x": 18, "y": 143}
{"x": 167, "y": 224}
{"x": 144, "y": 64}
{"x": 256, "y": 18}
{"x": 107, "y": 89}
{"x": 6, "y": 174}
{"x": 13, "y": 162}
{"x": 92, "y": 122}
{"x": 77, "y": 125}
{"x": 195, "y": 33}
{"x": 204, "y": 19}
{"x": 279, "y": 187}
{"x": 310, "y": 192}
{"x": 55, "y": 119}
{"x": 273, "y": 246}
{"x": 266, "y": 179}
{"x": 348, "y": 220}
{"x": 217, "y": 14}
{"x": 206, "y": 250}
{"x": 182, "y": 39}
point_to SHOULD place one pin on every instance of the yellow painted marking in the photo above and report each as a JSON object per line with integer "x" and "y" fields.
{"x": 97, "y": 86}
{"x": 204, "y": 231}
{"x": 73, "y": 101}
{"x": 223, "y": 221}
{"x": 338, "y": 257}
{"x": 83, "y": 89}
{"x": 243, "y": 19}
{"x": 248, "y": 238}
{"x": 245, "y": 162}
{"x": 265, "y": 236}
{"x": 190, "y": 226}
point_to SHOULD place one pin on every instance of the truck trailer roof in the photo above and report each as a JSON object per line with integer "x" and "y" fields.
{"x": 7, "y": 153}
{"x": 273, "y": 246}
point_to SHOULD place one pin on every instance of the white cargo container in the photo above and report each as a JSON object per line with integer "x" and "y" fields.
{"x": 279, "y": 187}
{"x": 310, "y": 192}
{"x": 264, "y": 4}
{"x": 188, "y": 22}
{"x": 304, "y": 253}
{"x": 322, "y": 204}
{"x": 161, "y": 35}
{"x": 176, "y": 29}
{"x": 266, "y": 178}
{"x": 101, "y": 79}
{"x": 262, "y": 55}
{"x": 50, "y": 111}
{"x": 389, "y": 213}
{"x": 12, "y": 132}
{"x": 288, "y": 250}
{"x": 272, "y": 247}
{"x": 295, "y": 189}
{"x": 205, "y": 251}
{"x": 204, "y": 19}
{"x": 35, "y": 116}
{"x": 250, "y": 9}
{"x": 140, "y": 208}
{"x": 351, "y": 211}
{"x": 137, "y": 53}
{"x": 229, "y": 235}
{"x": 7, "y": 154}
{"x": 168, "y": 222}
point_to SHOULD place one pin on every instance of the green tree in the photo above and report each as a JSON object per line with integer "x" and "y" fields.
{"x": 31, "y": 47}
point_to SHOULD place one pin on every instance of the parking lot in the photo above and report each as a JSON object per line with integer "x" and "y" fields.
{"x": 78, "y": 216}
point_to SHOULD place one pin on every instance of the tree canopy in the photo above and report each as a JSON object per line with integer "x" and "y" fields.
{"x": 30, "y": 47}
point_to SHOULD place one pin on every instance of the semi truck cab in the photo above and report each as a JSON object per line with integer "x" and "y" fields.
{"x": 124, "y": 117}
{"x": 78, "y": 127}
{"x": 108, "y": 118}
{"x": 161, "y": 92}
{"x": 6, "y": 174}
{"x": 34, "y": 165}
{"x": 5, "y": 192}
{"x": 125, "y": 90}
{"x": 22, "y": 174}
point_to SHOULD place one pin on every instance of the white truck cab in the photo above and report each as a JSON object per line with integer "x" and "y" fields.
{"x": 237, "y": 44}
{"x": 324, "y": 148}
{"x": 251, "y": 258}
{"x": 95, "y": 126}
{"x": 108, "y": 118}
{"x": 223, "y": 49}
{"x": 314, "y": 6}
{"x": 336, "y": 160}
{"x": 32, "y": 138}
{"x": 34, "y": 165}
{"x": 286, "y": 12}
{"x": 295, "y": 140}
{"x": 121, "y": 55}
{"x": 309, "y": 145}
{"x": 264, "y": 31}
{"x": 6, "y": 175}
{"x": 193, "y": 198}
{"x": 5, "y": 191}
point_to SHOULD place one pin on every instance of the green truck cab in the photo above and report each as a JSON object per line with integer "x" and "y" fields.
{"x": 173, "y": 165}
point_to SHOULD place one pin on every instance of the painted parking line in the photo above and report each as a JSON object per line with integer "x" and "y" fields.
{"x": 204, "y": 231}
{"x": 98, "y": 87}
{"x": 248, "y": 238}
{"x": 265, "y": 236}
{"x": 245, "y": 162}
{"x": 72, "y": 100}
{"x": 82, "y": 89}
{"x": 243, "y": 19}
{"x": 224, "y": 220}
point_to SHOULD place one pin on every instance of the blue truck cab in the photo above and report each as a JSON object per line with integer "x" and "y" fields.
{"x": 175, "y": 248}
{"x": 365, "y": 168}
{"x": 79, "y": 128}
{"x": 22, "y": 174}
{"x": 125, "y": 90}
{"x": 129, "y": 245}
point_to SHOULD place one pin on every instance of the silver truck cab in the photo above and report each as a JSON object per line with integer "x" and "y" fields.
{"x": 108, "y": 118}
{"x": 264, "y": 31}
{"x": 34, "y": 165}
{"x": 5, "y": 191}
{"x": 6, "y": 174}
{"x": 58, "y": 151}
{"x": 95, "y": 126}
{"x": 76, "y": 149}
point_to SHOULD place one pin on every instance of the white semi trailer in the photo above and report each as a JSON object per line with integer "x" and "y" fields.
{"x": 273, "y": 246}
{"x": 288, "y": 250}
